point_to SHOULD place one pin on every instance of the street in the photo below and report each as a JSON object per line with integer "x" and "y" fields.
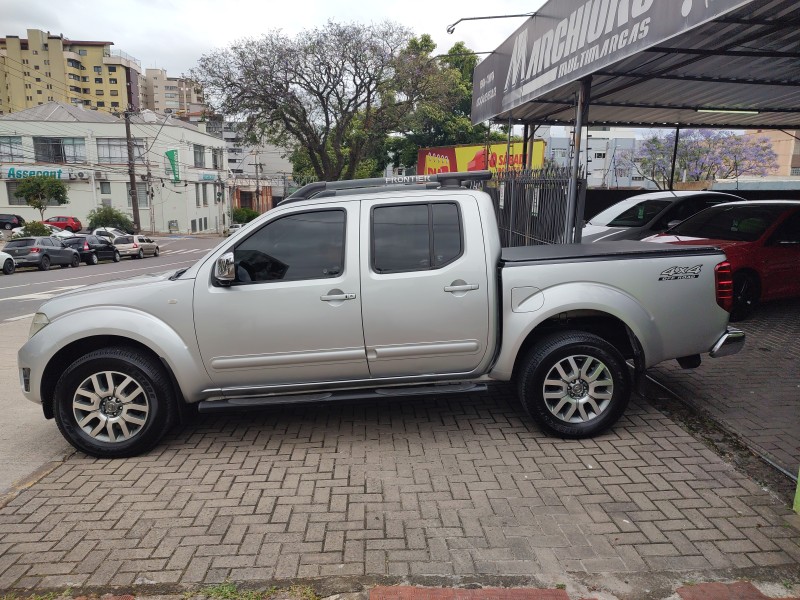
{"x": 24, "y": 291}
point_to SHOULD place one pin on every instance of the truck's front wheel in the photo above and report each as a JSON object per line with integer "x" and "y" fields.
{"x": 114, "y": 402}
{"x": 574, "y": 384}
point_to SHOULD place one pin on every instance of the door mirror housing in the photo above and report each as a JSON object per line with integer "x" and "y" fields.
{"x": 224, "y": 269}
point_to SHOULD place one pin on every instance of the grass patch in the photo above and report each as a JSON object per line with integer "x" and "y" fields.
{"x": 231, "y": 591}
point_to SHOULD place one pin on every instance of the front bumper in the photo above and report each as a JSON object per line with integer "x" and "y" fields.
{"x": 730, "y": 343}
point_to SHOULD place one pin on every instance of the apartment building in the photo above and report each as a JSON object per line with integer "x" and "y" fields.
{"x": 180, "y": 169}
{"x": 786, "y": 144}
{"x": 45, "y": 68}
{"x": 173, "y": 95}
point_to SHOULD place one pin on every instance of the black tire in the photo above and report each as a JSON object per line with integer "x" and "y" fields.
{"x": 148, "y": 413}
{"x": 76, "y": 261}
{"x": 9, "y": 267}
{"x": 116, "y": 257}
{"x": 92, "y": 260}
{"x": 156, "y": 252}
{"x": 746, "y": 292}
{"x": 44, "y": 264}
{"x": 139, "y": 255}
{"x": 570, "y": 411}
{"x": 68, "y": 228}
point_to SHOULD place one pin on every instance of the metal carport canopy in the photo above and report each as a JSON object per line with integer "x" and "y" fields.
{"x": 652, "y": 63}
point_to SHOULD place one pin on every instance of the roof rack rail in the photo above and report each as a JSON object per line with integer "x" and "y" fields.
{"x": 443, "y": 179}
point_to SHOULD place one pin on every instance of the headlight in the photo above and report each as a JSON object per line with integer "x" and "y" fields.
{"x": 40, "y": 321}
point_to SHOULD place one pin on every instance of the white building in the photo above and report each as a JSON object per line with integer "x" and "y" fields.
{"x": 181, "y": 170}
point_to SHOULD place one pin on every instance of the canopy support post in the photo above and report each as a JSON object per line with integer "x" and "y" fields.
{"x": 674, "y": 158}
{"x": 572, "y": 226}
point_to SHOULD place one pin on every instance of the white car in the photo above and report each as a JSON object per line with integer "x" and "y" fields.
{"x": 110, "y": 233}
{"x": 7, "y": 263}
{"x": 54, "y": 231}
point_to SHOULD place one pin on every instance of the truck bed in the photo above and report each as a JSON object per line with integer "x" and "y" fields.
{"x": 518, "y": 256}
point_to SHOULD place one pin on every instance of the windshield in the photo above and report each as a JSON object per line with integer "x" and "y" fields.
{"x": 20, "y": 243}
{"x": 734, "y": 223}
{"x": 630, "y": 213}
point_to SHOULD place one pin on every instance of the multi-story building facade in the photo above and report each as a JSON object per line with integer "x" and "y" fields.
{"x": 173, "y": 95}
{"x": 180, "y": 169}
{"x": 786, "y": 144}
{"x": 45, "y": 68}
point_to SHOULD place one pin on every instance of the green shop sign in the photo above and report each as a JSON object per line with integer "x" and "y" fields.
{"x": 17, "y": 173}
{"x": 172, "y": 159}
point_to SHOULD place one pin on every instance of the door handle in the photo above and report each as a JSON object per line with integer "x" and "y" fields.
{"x": 461, "y": 288}
{"x": 334, "y": 297}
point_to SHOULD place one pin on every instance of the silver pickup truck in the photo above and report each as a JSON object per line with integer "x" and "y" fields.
{"x": 374, "y": 289}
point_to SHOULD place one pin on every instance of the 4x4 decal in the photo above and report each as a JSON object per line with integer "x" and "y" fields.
{"x": 680, "y": 273}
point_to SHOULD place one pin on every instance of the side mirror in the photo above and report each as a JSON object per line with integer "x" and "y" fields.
{"x": 224, "y": 269}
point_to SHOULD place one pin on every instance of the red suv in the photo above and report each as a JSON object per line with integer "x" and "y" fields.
{"x": 67, "y": 223}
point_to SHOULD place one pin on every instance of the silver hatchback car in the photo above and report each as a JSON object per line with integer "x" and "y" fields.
{"x": 136, "y": 246}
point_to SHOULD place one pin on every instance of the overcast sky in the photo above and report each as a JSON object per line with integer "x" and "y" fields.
{"x": 173, "y": 34}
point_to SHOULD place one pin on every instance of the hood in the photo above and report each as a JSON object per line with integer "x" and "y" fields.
{"x": 603, "y": 233}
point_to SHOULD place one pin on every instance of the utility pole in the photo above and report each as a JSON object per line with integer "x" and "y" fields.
{"x": 258, "y": 187}
{"x": 132, "y": 172}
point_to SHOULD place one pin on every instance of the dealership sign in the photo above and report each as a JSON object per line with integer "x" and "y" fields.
{"x": 567, "y": 40}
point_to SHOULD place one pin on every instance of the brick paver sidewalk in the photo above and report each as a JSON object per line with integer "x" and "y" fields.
{"x": 462, "y": 486}
{"x": 755, "y": 393}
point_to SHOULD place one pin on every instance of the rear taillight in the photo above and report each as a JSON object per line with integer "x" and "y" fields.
{"x": 35, "y": 249}
{"x": 724, "y": 282}
{"x": 85, "y": 245}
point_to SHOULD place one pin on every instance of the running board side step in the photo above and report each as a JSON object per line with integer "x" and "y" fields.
{"x": 254, "y": 402}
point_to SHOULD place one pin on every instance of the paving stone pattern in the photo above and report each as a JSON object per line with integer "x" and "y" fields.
{"x": 755, "y": 393}
{"x": 460, "y": 485}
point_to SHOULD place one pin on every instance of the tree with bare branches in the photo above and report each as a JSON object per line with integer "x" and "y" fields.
{"x": 335, "y": 91}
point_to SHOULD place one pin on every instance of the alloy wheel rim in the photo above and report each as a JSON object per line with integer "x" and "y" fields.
{"x": 578, "y": 389}
{"x": 110, "y": 406}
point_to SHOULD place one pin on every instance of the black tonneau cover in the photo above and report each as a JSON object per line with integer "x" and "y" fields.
{"x": 621, "y": 250}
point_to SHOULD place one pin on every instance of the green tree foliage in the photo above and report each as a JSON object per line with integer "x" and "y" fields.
{"x": 336, "y": 91}
{"x": 244, "y": 215}
{"x": 34, "y": 229}
{"x": 39, "y": 190}
{"x": 108, "y": 216}
{"x": 433, "y": 124}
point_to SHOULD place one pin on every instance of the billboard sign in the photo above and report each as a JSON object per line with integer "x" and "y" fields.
{"x": 567, "y": 40}
{"x": 453, "y": 159}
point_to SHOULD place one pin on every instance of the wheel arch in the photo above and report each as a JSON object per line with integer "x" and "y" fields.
{"x": 751, "y": 272}
{"x": 74, "y": 350}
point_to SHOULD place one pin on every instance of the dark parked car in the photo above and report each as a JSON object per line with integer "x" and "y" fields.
{"x": 8, "y": 221}
{"x": 647, "y": 214}
{"x": 42, "y": 252}
{"x": 93, "y": 248}
{"x": 762, "y": 242}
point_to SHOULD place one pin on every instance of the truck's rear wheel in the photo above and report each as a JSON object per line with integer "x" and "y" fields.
{"x": 114, "y": 402}
{"x": 574, "y": 384}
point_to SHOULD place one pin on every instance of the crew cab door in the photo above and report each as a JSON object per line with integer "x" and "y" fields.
{"x": 424, "y": 286}
{"x": 293, "y": 315}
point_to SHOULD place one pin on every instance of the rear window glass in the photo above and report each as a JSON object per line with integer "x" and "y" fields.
{"x": 20, "y": 243}
{"x": 123, "y": 239}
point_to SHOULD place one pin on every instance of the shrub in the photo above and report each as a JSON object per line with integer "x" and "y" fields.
{"x": 244, "y": 215}
{"x": 33, "y": 229}
{"x": 108, "y": 216}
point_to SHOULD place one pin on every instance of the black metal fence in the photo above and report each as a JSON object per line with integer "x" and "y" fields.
{"x": 531, "y": 205}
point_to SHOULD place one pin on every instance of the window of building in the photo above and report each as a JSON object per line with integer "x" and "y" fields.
{"x": 141, "y": 194}
{"x": 98, "y": 80}
{"x": 308, "y": 245}
{"x": 112, "y": 69}
{"x": 38, "y": 79}
{"x": 82, "y": 52}
{"x": 599, "y": 154}
{"x": 415, "y": 237}
{"x": 59, "y": 150}
{"x": 39, "y": 92}
{"x": 101, "y": 104}
{"x": 28, "y": 86}
{"x": 98, "y": 92}
{"x": 112, "y": 80}
{"x": 115, "y": 104}
{"x": 97, "y": 69}
{"x": 71, "y": 62}
{"x": 205, "y": 194}
{"x": 197, "y": 194}
{"x": 85, "y": 90}
{"x": 24, "y": 61}
{"x": 232, "y": 161}
{"x": 170, "y": 95}
{"x": 46, "y": 61}
{"x": 29, "y": 98}
{"x": 114, "y": 92}
{"x": 11, "y": 189}
{"x": 795, "y": 171}
{"x": 10, "y": 148}
{"x": 35, "y": 67}
{"x": 115, "y": 150}
{"x": 216, "y": 158}
{"x": 105, "y": 187}
{"x": 49, "y": 86}
{"x": 199, "y": 156}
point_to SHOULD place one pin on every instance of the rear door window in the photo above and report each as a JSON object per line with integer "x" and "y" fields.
{"x": 20, "y": 244}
